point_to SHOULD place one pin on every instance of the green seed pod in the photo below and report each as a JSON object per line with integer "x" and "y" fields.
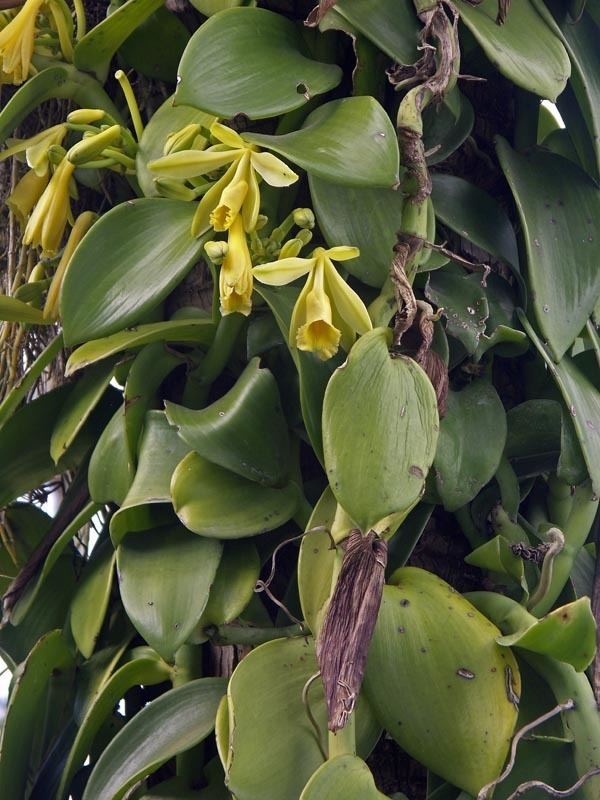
{"x": 438, "y": 681}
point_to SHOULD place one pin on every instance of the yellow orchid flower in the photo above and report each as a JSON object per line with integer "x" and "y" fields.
{"x": 36, "y": 147}
{"x": 327, "y": 312}
{"x": 47, "y": 223}
{"x": 26, "y": 194}
{"x": 235, "y": 277}
{"x": 17, "y": 42}
{"x": 236, "y": 192}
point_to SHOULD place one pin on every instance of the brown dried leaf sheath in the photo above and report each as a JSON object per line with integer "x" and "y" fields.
{"x": 318, "y": 12}
{"x": 344, "y": 639}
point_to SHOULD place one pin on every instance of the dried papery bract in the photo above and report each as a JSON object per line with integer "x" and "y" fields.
{"x": 344, "y": 640}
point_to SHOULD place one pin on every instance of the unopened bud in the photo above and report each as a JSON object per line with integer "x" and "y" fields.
{"x": 304, "y": 236}
{"x": 55, "y": 154}
{"x": 185, "y": 139}
{"x": 90, "y": 147}
{"x": 86, "y": 116}
{"x": 291, "y": 248}
{"x": 304, "y": 218}
{"x": 216, "y": 251}
{"x": 261, "y": 221}
{"x": 176, "y": 190}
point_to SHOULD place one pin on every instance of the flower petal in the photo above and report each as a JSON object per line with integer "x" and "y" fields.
{"x": 209, "y": 202}
{"x": 227, "y": 135}
{"x": 26, "y": 194}
{"x": 342, "y": 253}
{"x": 345, "y": 300}
{"x": 232, "y": 198}
{"x": 286, "y": 270}
{"x": 251, "y": 205}
{"x": 191, "y": 163}
{"x": 272, "y": 169}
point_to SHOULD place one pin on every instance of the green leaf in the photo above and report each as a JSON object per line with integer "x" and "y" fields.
{"x": 349, "y": 141}
{"x": 436, "y": 642}
{"x": 167, "y": 119}
{"x": 176, "y": 331}
{"x": 265, "y": 704}
{"x": 559, "y": 207}
{"x": 165, "y": 577}
{"x": 155, "y": 48}
{"x": 377, "y": 463}
{"x": 533, "y": 430}
{"x": 497, "y": 556}
{"x": 111, "y": 471}
{"x": 90, "y": 603}
{"x": 212, "y": 501}
{"x": 145, "y": 669}
{"x": 244, "y": 431}
{"x": 316, "y": 562}
{"x": 94, "y": 52}
{"x": 365, "y": 218}
{"x": 25, "y": 712}
{"x": 390, "y": 24}
{"x": 146, "y": 249}
{"x": 464, "y": 303}
{"x": 13, "y": 310}
{"x": 82, "y": 400}
{"x": 582, "y": 398}
{"x": 148, "y": 501}
{"x": 169, "y": 725}
{"x": 28, "y": 525}
{"x": 443, "y": 131}
{"x": 343, "y": 778}
{"x": 250, "y": 61}
{"x": 471, "y": 443}
{"x": 542, "y": 69}
{"x": 568, "y": 634}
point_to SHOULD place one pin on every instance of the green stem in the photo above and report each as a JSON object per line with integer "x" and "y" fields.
{"x": 464, "y": 519}
{"x": 250, "y": 636}
{"x": 343, "y": 743}
{"x": 189, "y": 765}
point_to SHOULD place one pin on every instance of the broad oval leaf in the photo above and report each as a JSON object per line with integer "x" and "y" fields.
{"x": 165, "y": 577}
{"x": 198, "y": 331}
{"x": 125, "y": 265}
{"x": 90, "y": 603}
{"x": 111, "y": 470}
{"x": 244, "y": 431}
{"x": 342, "y": 778}
{"x": 215, "y": 502}
{"x": 559, "y": 207}
{"x": 377, "y": 462}
{"x": 25, "y": 712}
{"x": 463, "y": 302}
{"x": 443, "y": 132}
{"x": 365, "y": 218}
{"x": 169, "y": 725}
{"x": 155, "y": 48}
{"x": 542, "y": 69}
{"x": 265, "y": 703}
{"x": 350, "y": 141}
{"x": 390, "y": 24}
{"x": 471, "y": 443}
{"x": 430, "y": 637}
{"x": 250, "y": 61}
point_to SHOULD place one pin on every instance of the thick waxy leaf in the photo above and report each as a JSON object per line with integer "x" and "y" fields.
{"x": 365, "y": 218}
{"x": 431, "y": 638}
{"x": 390, "y": 24}
{"x": 94, "y": 52}
{"x": 559, "y": 208}
{"x": 198, "y": 331}
{"x": 250, "y": 61}
{"x": 497, "y": 556}
{"x": 472, "y": 437}
{"x": 244, "y": 431}
{"x": 342, "y": 778}
{"x": 13, "y": 310}
{"x": 216, "y": 502}
{"x": 350, "y": 141}
{"x": 148, "y": 501}
{"x": 145, "y": 669}
{"x": 82, "y": 400}
{"x": 533, "y": 430}
{"x": 568, "y": 633}
{"x": 165, "y": 576}
{"x": 582, "y": 398}
{"x": 111, "y": 470}
{"x": 89, "y": 605}
{"x": 316, "y": 562}
{"x": 377, "y": 462}
{"x": 464, "y": 304}
{"x": 26, "y": 707}
{"x": 126, "y": 264}
{"x": 443, "y": 131}
{"x": 265, "y": 702}
{"x": 166, "y": 120}
{"x": 28, "y": 525}
{"x": 171, "y": 724}
{"x": 543, "y": 69}
{"x": 155, "y": 48}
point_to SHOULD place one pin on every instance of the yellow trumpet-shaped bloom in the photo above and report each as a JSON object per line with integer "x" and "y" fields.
{"x": 237, "y": 191}
{"x": 47, "y": 223}
{"x": 235, "y": 277}
{"x": 17, "y": 42}
{"x": 36, "y": 147}
{"x": 26, "y": 194}
{"x": 327, "y": 312}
